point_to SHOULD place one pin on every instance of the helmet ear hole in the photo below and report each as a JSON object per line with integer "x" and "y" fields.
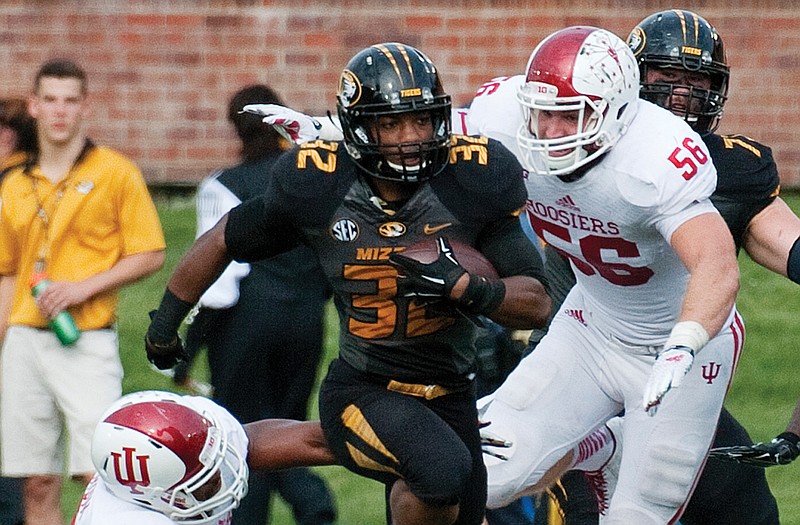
{"x": 393, "y": 79}
{"x": 683, "y": 40}
{"x": 621, "y": 111}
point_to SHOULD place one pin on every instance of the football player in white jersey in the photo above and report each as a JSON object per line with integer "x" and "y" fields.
{"x": 165, "y": 459}
{"x": 620, "y": 187}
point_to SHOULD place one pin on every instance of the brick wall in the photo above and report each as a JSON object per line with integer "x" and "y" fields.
{"x": 161, "y": 71}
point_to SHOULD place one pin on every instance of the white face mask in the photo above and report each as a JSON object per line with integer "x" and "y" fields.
{"x": 545, "y": 156}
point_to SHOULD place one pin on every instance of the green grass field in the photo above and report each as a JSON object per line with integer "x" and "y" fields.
{"x": 763, "y": 394}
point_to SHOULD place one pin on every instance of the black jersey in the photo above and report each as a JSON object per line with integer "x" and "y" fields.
{"x": 292, "y": 276}
{"x": 747, "y": 180}
{"x": 319, "y": 197}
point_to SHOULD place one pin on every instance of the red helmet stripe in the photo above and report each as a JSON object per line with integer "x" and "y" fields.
{"x": 554, "y": 60}
{"x": 175, "y": 426}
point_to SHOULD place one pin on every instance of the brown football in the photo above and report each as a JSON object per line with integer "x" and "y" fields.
{"x": 425, "y": 251}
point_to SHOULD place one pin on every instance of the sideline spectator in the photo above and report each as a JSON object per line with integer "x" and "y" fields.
{"x": 80, "y": 213}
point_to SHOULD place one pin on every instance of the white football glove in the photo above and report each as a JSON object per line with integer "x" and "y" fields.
{"x": 490, "y": 441}
{"x": 292, "y": 125}
{"x": 488, "y": 438}
{"x": 671, "y": 365}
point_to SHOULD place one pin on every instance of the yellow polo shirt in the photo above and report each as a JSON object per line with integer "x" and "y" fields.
{"x": 105, "y": 213}
{"x": 15, "y": 159}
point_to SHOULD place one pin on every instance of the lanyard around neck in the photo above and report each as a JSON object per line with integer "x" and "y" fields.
{"x": 43, "y": 253}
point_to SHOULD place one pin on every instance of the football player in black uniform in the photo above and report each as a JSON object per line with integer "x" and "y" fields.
{"x": 683, "y": 68}
{"x": 398, "y": 405}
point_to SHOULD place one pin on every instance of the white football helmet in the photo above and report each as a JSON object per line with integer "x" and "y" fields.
{"x": 156, "y": 449}
{"x": 583, "y": 69}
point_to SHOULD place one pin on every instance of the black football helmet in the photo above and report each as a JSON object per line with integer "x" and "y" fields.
{"x": 683, "y": 40}
{"x": 392, "y": 79}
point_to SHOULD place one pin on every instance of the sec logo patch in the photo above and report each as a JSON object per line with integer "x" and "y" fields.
{"x": 344, "y": 230}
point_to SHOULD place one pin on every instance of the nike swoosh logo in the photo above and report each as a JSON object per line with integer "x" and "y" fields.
{"x": 430, "y": 230}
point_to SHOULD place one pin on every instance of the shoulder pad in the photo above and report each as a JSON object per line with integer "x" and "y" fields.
{"x": 744, "y": 167}
{"x": 661, "y": 162}
{"x": 311, "y": 169}
{"x": 482, "y": 170}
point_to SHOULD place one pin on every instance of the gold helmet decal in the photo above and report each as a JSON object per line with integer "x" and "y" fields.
{"x": 691, "y": 32}
{"x": 349, "y": 89}
{"x": 637, "y": 40}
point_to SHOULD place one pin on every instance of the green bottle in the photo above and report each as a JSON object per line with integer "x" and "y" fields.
{"x": 63, "y": 325}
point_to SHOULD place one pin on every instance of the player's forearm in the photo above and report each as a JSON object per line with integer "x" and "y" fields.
{"x": 526, "y": 304}
{"x": 706, "y": 248}
{"x": 794, "y": 423}
{"x": 198, "y": 268}
{"x": 277, "y": 444}
{"x": 710, "y": 295}
{"x": 771, "y": 237}
{"x": 201, "y": 265}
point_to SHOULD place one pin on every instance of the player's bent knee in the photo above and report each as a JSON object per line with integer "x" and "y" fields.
{"x": 442, "y": 484}
{"x": 406, "y": 507}
{"x": 669, "y": 475}
{"x": 511, "y": 479}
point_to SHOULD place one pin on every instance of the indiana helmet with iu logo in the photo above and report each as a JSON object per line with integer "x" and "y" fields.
{"x": 589, "y": 72}
{"x": 386, "y": 80}
{"x": 683, "y": 40}
{"x": 170, "y": 454}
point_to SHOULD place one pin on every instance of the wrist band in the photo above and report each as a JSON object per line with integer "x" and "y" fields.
{"x": 167, "y": 318}
{"x": 483, "y": 296}
{"x": 793, "y": 263}
{"x": 690, "y": 334}
{"x": 791, "y": 437}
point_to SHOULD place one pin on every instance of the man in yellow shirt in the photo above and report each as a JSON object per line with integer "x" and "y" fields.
{"x": 82, "y": 215}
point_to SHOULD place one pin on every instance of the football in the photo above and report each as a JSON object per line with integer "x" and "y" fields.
{"x": 472, "y": 260}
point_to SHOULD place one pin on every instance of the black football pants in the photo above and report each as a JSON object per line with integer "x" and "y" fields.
{"x": 432, "y": 444}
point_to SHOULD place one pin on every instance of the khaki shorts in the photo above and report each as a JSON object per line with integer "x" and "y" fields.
{"x": 51, "y": 398}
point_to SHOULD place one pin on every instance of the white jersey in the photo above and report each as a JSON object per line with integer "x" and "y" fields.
{"x": 494, "y": 112}
{"x": 99, "y": 506}
{"x": 213, "y": 201}
{"x": 614, "y": 224}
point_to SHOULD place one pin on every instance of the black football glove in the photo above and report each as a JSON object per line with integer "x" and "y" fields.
{"x": 780, "y": 451}
{"x": 428, "y": 281}
{"x": 163, "y": 351}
